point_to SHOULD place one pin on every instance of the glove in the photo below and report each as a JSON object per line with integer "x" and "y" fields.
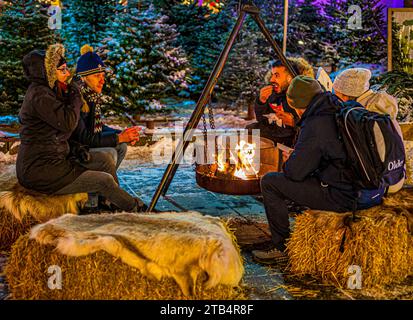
{"x": 79, "y": 152}
{"x": 84, "y": 155}
{"x": 74, "y": 87}
{"x": 75, "y": 98}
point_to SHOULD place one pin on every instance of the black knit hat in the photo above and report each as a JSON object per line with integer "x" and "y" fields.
{"x": 89, "y": 62}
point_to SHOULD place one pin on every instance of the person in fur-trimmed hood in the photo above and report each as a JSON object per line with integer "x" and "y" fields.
{"x": 48, "y": 116}
{"x": 91, "y": 130}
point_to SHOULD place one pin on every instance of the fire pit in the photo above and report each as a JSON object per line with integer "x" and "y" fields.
{"x": 238, "y": 163}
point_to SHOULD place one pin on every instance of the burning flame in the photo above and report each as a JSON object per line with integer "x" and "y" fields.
{"x": 221, "y": 162}
{"x": 240, "y": 173}
{"x": 243, "y": 161}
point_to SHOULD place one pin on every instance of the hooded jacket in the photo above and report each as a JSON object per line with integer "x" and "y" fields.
{"x": 380, "y": 102}
{"x": 47, "y": 121}
{"x": 319, "y": 153}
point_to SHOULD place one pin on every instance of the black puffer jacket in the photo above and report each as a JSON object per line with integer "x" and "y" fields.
{"x": 319, "y": 152}
{"x": 47, "y": 121}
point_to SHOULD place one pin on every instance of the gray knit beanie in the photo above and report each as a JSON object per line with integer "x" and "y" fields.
{"x": 353, "y": 82}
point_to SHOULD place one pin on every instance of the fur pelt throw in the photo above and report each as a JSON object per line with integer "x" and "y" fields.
{"x": 20, "y": 202}
{"x": 177, "y": 245}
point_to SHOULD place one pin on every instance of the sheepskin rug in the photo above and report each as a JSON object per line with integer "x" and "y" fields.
{"x": 177, "y": 245}
{"x": 19, "y": 202}
{"x": 20, "y": 209}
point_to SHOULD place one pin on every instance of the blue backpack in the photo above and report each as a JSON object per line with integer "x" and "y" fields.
{"x": 375, "y": 150}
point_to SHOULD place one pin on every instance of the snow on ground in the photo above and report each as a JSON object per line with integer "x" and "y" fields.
{"x": 231, "y": 121}
{"x": 151, "y": 153}
{"x": 7, "y": 158}
{"x": 7, "y": 176}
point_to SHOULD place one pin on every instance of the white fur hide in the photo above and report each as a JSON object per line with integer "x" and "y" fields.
{"x": 177, "y": 245}
{"x": 20, "y": 202}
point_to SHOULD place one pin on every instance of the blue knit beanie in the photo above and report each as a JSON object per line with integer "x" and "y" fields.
{"x": 89, "y": 62}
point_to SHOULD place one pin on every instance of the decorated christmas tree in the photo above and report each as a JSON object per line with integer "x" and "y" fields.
{"x": 245, "y": 69}
{"x": 306, "y": 29}
{"x": 357, "y": 33}
{"x": 85, "y": 22}
{"x": 23, "y": 28}
{"x": 147, "y": 66}
{"x": 272, "y": 13}
{"x": 202, "y": 34}
{"x": 211, "y": 40}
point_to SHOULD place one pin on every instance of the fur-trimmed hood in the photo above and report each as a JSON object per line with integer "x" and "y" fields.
{"x": 40, "y": 66}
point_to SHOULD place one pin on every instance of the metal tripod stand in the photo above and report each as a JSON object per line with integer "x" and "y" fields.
{"x": 247, "y": 8}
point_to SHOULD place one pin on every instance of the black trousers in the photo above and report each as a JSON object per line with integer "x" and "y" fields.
{"x": 275, "y": 188}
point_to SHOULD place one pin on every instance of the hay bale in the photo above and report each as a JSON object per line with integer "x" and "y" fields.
{"x": 20, "y": 209}
{"x": 408, "y": 145}
{"x": 95, "y": 276}
{"x": 407, "y": 130}
{"x": 403, "y": 199}
{"x": 379, "y": 243}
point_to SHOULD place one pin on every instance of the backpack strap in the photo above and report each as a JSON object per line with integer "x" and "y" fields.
{"x": 348, "y": 221}
{"x": 354, "y": 218}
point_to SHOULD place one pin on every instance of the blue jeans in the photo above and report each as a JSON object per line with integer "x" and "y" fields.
{"x": 118, "y": 153}
{"x": 101, "y": 178}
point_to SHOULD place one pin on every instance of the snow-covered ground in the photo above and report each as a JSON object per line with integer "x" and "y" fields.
{"x": 7, "y": 158}
{"x": 7, "y": 176}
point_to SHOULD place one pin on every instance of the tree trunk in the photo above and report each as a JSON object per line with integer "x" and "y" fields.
{"x": 251, "y": 112}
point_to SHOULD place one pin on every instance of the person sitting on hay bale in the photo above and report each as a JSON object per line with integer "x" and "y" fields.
{"x": 354, "y": 85}
{"x": 272, "y": 101}
{"x": 315, "y": 174}
{"x": 48, "y": 116}
{"x": 91, "y": 130}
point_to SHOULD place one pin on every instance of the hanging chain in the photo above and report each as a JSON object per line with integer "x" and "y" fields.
{"x": 211, "y": 116}
{"x": 205, "y": 133}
